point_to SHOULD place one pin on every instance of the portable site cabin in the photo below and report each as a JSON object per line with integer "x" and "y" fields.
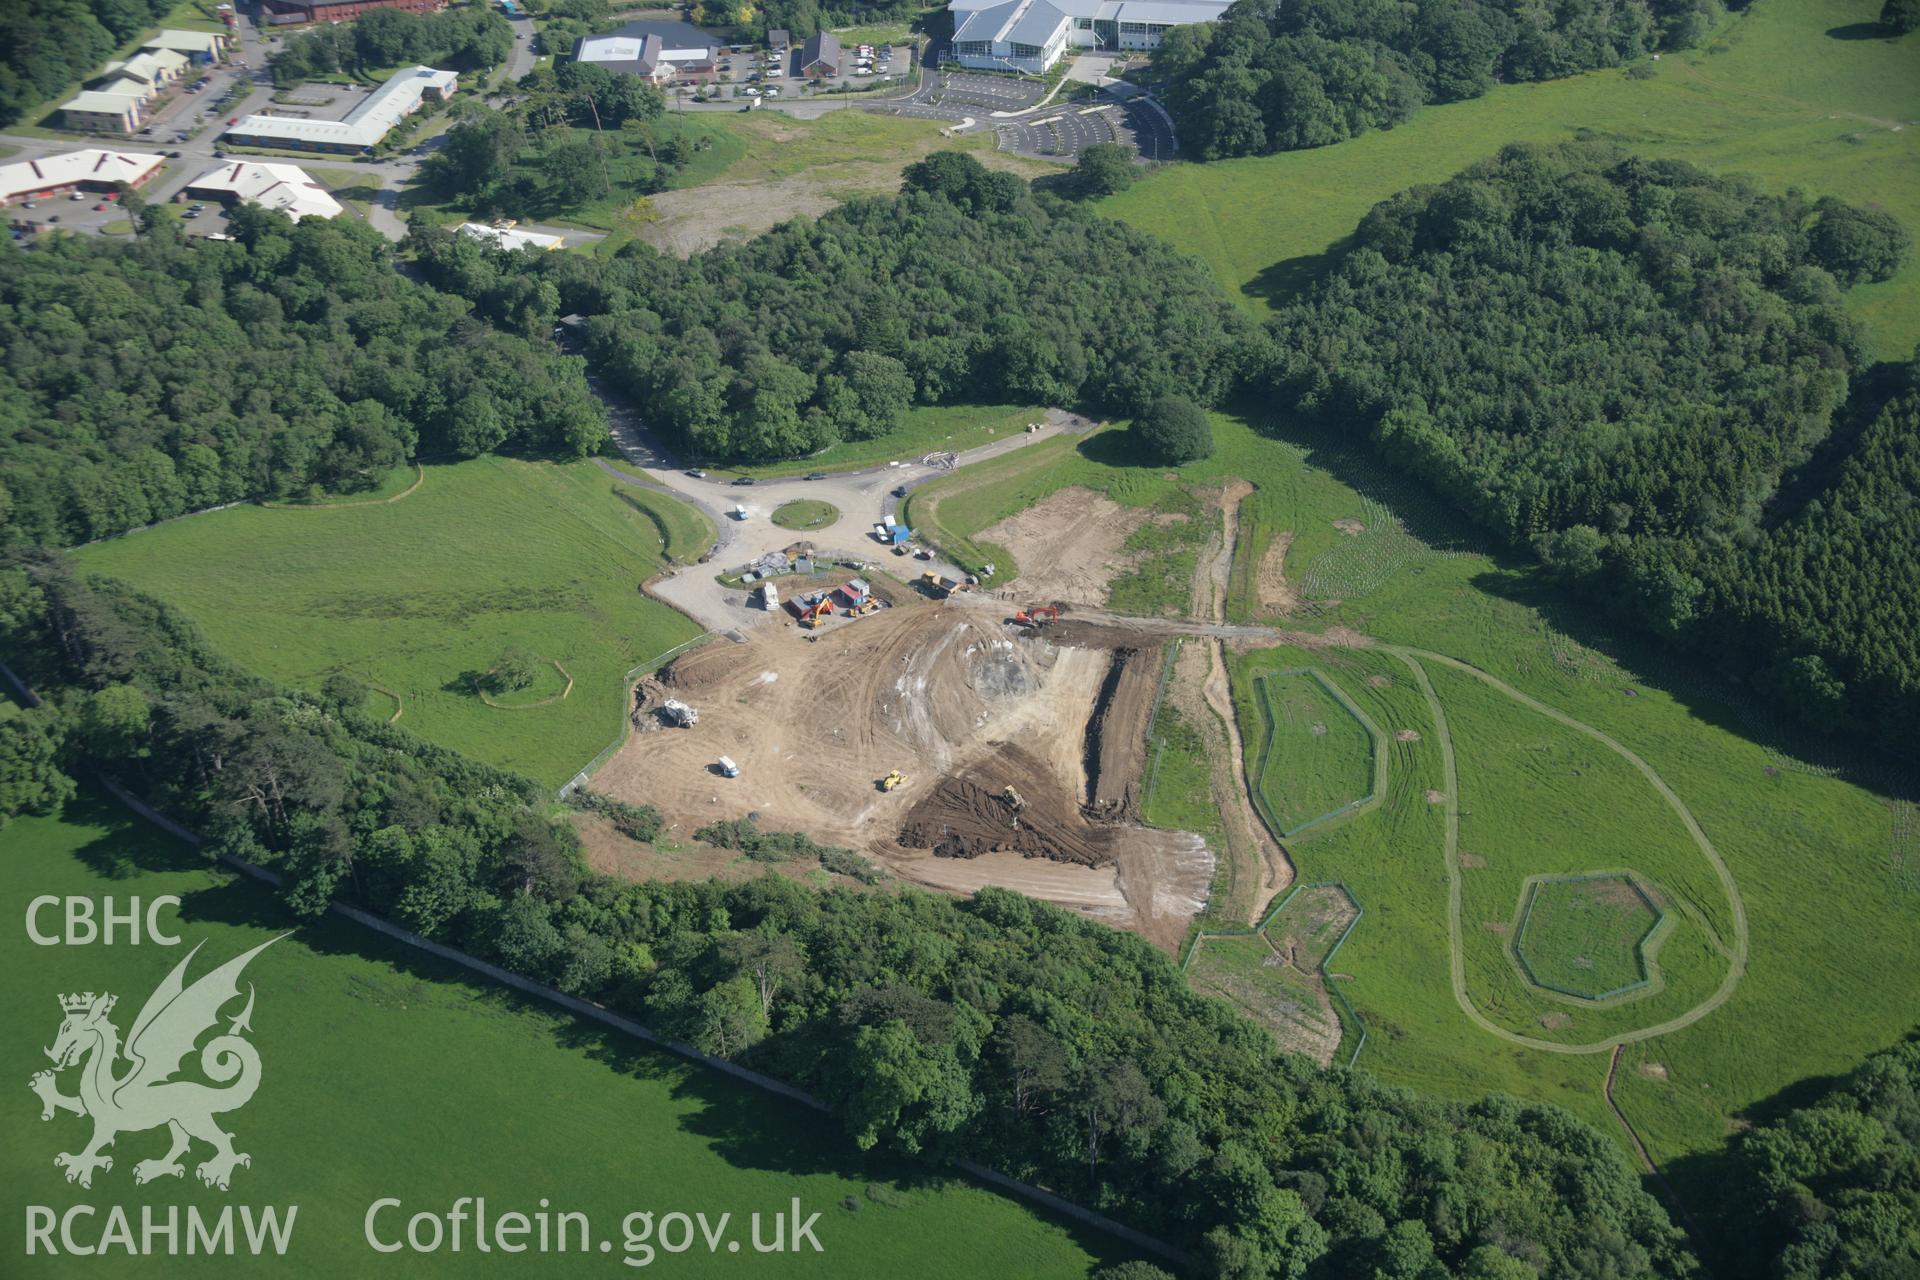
{"x": 900, "y": 535}
{"x": 855, "y": 592}
{"x": 770, "y": 596}
{"x": 728, "y": 768}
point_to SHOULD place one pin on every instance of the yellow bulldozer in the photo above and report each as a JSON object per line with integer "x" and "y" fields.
{"x": 893, "y": 780}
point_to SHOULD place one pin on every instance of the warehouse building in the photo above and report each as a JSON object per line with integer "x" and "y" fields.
{"x": 363, "y": 127}
{"x": 280, "y": 13}
{"x": 647, "y": 55}
{"x": 284, "y": 188}
{"x": 1031, "y": 35}
{"x": 94, "y": 169}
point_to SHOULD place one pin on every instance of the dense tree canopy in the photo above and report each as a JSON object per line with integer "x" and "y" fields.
{"x": 47, "y": 45}
{"x": 464, "y": 39}
{"x": 817, "y": 331}
{"x": 1831, "y": 1191}
{"x": 999, "y": 1028}
{"x": 1616, "y": 361}
{"x": 1173, "y": 430}
{"x": 1277, "y": 76}
{"x": 149, "y": 379}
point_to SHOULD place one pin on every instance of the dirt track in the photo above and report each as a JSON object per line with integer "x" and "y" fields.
{"x": 1117, "y": 734}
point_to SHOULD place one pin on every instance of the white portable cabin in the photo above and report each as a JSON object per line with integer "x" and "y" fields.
{"x": 770, "y": 596}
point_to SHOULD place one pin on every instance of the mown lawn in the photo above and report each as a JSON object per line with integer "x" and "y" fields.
{"x": 410, "y": 596}
{"x": 804, "y": 513}
{"x": 386, "y": 1073}
{"x": 1772, "y": 94}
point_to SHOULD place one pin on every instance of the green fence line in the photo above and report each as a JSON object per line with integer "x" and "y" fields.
{"x": 1639, "y": 947}
{"x": 626, "y": 720}
{"x": 1339, "y": 996}
{"x": 1374, "y": 737}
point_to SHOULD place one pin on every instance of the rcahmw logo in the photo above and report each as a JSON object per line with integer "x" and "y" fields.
{"x": 143, "y": 1095}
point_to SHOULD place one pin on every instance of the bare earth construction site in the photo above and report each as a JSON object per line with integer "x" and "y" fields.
{"x": 965, "y": 704}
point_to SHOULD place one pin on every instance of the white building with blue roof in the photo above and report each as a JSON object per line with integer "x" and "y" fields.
{"x": 1031, "y": 35}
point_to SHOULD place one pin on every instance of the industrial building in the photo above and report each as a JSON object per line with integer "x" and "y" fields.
{"x": 279, "y": 13}
{"x": 1031, "y": 35}
{"x": 94, "y": 169}
{"x": 647, "y": 55}
{"x": 284, "y": 188}
{"x": 363, "y": 127}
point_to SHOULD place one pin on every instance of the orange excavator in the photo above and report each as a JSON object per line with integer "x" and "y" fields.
{"x": 1038, "y": 615}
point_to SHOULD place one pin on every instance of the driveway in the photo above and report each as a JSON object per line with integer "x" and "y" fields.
{"x": 861, "y": 496}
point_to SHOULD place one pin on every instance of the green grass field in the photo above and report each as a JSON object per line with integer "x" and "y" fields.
{"x": 1313, "y": 756}
{"x": 386, "y": 1073}
{"x": 1586, "y": 936}
{"x": 1805, "y": 849}
{"x": 1772, "y": 94}
{"x": 804, "y": 513}
{"x": 411, "y": 595}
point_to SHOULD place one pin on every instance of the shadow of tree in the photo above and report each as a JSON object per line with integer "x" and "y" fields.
{"x": 1862, "y": 31}
{"x": 1287, "y": 279}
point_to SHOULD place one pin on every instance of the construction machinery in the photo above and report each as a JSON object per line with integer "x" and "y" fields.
{"x": 1038, "y": 615}
{"x": 893, "y": 780}
{"x": 728, "y": 769}
{"x": 679, "y": 713}
{"x": 1013, "y": 798}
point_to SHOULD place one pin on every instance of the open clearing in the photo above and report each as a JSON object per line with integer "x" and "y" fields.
{"x": 1585, "y": 937}
{"x": 1277, "y": 973}
{"x": 412, "y": 595}
{"x": 379, "y": 1061}
{"x": 966, "y": 706}
{"x": 1071, "y": 544}
{"x": 1311, "y": 756}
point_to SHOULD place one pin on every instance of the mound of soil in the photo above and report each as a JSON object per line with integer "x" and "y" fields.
{"x": 967, "y": 814}
{"x": 1117, "y": 734}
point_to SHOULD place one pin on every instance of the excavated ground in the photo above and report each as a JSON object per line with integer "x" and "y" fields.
{"x": 964, "y": 705}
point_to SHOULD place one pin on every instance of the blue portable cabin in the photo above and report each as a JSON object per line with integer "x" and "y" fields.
{"x": 901, "y": 534}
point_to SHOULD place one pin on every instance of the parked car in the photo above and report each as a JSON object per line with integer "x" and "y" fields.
{"x": 899, "y": 491}
{"x": 173, "y": 155}
{"x": 78, "y": 195}
{"x": 816, "y": 475}
{"x": 233, "y": 119}
{"x": 101, "y": 207}
{"x": 191, "y": 214}
{"x": 743, "y": 480}
{"x": 53, "y": 217}
{"x": 696, "y": 473}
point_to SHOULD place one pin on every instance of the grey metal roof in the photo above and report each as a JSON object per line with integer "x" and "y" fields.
{"x": 1036, "y": 23}
{"x": 823, "y": 47}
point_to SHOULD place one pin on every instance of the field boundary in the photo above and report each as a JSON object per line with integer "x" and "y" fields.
{"x": 1456, "y": 953}
{"x": 607, "y": 1017}
{"x": 626, "y": 715}
{"x": 1339, "y": 997}
{"x": 1645, "y": 950}
{"x": 1378, "y": 740}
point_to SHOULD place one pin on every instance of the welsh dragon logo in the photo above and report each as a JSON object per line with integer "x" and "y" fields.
{"x": 145, "y": 1096}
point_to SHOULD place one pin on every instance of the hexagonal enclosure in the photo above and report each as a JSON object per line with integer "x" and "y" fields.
{"x": 1588, "y": 936}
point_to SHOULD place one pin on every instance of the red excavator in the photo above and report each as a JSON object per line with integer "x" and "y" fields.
{"x": 1038, "y": 615}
